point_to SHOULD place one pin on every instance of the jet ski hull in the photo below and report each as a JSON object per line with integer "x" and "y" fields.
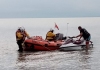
{"x": 74, "y": 47}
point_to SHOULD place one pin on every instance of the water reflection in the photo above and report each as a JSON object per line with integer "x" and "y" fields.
{"x": 22, "y": 60}
{"x": 21, "y": 57}
{"x": 71, "y": 60}
{"x": 85, "y": 60}
{"x": 26, "y": 60}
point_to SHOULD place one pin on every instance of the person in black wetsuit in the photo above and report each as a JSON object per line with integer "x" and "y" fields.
{"x": 86, "y": 35}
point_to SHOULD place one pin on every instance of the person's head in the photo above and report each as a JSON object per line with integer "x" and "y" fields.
{"x": 21, "y": 29}
{"x": 79, "y": 27}
{"x": 51, "y": 30}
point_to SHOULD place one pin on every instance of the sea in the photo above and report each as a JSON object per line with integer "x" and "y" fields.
{"x": 11, "y": 59}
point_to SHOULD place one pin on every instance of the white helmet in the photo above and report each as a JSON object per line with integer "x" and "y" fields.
{"x": 22, "y": 29}
{"x": 51, "y": 29}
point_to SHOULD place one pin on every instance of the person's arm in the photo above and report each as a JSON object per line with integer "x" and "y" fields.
{"x": 27, "y": 35}
{"x": 80, "y": 35}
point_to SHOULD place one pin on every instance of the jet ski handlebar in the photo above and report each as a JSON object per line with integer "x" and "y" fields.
{"x": 71, "y": 37}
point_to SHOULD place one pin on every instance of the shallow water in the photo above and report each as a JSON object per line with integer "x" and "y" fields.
{"x": 11, "y": 59}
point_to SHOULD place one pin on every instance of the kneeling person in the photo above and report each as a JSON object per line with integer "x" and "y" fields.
{"x": 50, "y": 36}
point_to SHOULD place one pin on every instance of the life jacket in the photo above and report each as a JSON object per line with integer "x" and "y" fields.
{"x": 20, "y": 35}
{"x": 50, "y": 35}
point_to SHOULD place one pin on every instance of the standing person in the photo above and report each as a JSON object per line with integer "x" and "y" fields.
{"x": 86, "y": 35}
{"x": 21, "y": 34}
{"x": 50, "y": 36}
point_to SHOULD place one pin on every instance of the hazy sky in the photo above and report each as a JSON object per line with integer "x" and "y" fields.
{"x": 49, "y": 8}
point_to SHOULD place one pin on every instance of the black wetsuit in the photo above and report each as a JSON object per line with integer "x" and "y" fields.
{"x": 86, "y": 34}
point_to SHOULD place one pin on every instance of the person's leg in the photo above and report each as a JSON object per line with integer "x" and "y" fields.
{"x": 87, "y": 46}
{"x": 87, "y": 43}
{"x": 20, "y": 45}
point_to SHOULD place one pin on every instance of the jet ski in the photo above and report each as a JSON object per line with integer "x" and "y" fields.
{"x": 73, "y": 44}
